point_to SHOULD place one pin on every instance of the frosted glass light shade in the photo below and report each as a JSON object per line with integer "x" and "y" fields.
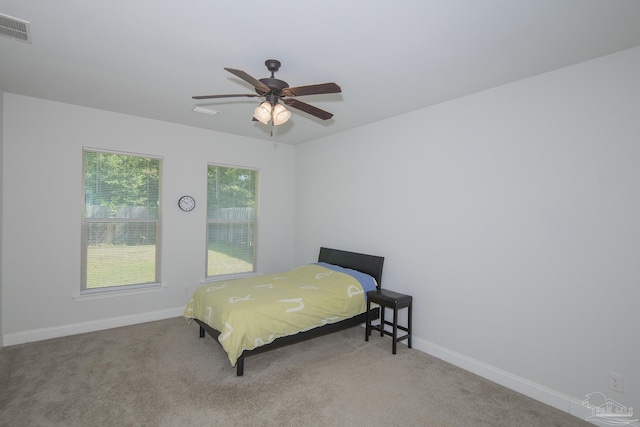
{"x": 280, "y": 115}
{"x": 262, "y": 113}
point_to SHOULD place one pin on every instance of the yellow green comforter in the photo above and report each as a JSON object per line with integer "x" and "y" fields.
{"x": 255, "y": 311}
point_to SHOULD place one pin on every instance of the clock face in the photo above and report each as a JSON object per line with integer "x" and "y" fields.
{"x": 187, "y": 203}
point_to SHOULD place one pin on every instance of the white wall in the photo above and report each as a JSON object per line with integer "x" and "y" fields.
{"x": 1, "y": 198}
{"x": 42, "y": 188}
{"x": 513, "y": 218}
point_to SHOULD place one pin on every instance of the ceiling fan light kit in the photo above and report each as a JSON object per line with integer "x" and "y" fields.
{"x": 262, "y": 113}
{"x": 275, "y": 90}
{"x": 265, "y": 112}
{"x": 280, "y": 115}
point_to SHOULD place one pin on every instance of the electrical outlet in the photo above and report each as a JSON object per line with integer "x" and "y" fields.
{"x": 616, "y": 382}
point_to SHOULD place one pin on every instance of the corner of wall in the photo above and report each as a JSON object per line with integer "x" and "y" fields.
{"x": 1, "y": 198}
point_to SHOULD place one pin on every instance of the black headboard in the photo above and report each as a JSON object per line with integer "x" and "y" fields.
{"x": 369, "y": 264}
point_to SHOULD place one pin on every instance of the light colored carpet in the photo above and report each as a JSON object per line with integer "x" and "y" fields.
{"x": 162, "y": 374}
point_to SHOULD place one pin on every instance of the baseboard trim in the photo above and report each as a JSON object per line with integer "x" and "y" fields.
{"x": 521, "y": 385}
{"x": 92, "y": 326}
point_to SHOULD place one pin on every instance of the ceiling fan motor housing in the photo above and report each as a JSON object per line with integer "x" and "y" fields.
{"x": 275, "y": 85}
{"x": 272, "y": 83}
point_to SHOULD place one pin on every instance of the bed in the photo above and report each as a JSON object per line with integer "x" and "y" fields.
{"x": 247, "y": 316}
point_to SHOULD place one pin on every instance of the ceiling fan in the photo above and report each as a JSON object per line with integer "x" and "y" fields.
{"x": 275, "y": 90}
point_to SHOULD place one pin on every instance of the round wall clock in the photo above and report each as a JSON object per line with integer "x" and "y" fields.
{"x": 187, "y": 203}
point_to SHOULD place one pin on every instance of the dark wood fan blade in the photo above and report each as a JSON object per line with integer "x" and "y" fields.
{"x": 250, "y": 95}
{"x": 310, "y": 109}
{"x": 247, "y": 78}
{"x": 312, "y": 89}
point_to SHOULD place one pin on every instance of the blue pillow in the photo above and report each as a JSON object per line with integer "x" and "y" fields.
{"x": 368, "y": 283}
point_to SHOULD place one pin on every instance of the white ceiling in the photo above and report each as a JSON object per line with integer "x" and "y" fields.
{"x": 148, "y": 57}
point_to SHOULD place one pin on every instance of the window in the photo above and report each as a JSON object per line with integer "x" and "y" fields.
{"x": 121, "y": 221}
{"x": 231, "y": 220}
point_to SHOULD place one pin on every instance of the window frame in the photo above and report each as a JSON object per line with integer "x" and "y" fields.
{"x": 85, "y": 230}
{"x": 254, "y": 222}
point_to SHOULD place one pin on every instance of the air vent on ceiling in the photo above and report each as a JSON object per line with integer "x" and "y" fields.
{"x": 14, "y": 28}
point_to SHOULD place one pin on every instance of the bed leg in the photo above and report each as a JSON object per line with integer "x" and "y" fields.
{"x": 367, "y": 322}
{"x": 201, "y": 332}
{"x": 240, "y": 366}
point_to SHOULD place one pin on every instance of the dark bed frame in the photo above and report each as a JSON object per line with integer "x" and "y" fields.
{"x": 369, "y": 264}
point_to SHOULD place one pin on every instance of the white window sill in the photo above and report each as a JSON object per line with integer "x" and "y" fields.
{"x": 229, "y": 277}
{"x": 112, "y": 293}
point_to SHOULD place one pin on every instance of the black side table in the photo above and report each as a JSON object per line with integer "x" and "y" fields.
{"x": 394, "y": 300}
